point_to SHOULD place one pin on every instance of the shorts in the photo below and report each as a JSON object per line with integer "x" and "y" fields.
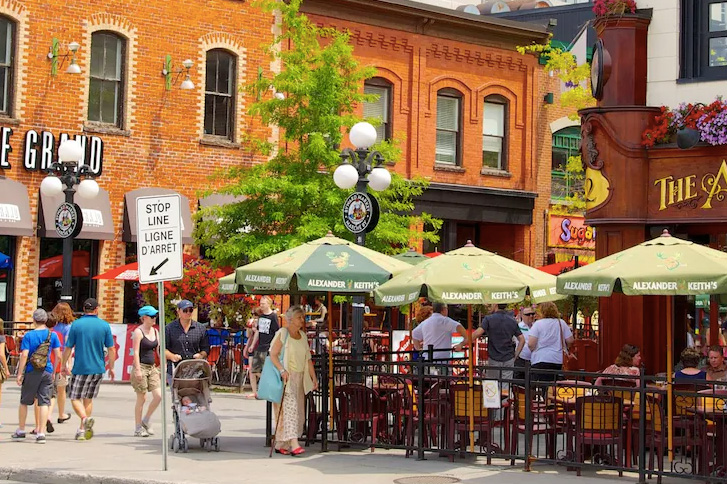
{"x": 150, "y": 379}
{"x": 258, "y": 360}
{"x": 84, "y": 386}
{"x": 38, "y": 385}
{"x": 61, "y": 380}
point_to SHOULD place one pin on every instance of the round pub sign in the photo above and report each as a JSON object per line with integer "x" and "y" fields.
{"x": 69, "y": 220}
{"x": 360, "y": 213}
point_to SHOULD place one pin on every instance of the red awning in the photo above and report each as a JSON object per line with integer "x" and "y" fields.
{"x": 130, "y": 272}
{"x": 561, "y": 267}
{"x": 433, "y": 254}
{"x": 53, "y": 266}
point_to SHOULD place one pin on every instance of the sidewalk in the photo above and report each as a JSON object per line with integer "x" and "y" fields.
{"x": 115, "y": 456}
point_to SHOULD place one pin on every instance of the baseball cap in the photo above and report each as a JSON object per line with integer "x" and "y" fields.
{"x": 148, "y": 311}
{"x": 90, "y": 304}
{"x": 184, "y": 304}
{"x": 40, "y": 315}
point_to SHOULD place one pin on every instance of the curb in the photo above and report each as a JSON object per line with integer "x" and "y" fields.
{"x": 38, "y": 476}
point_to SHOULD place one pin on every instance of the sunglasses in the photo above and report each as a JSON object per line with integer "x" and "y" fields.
{"x": 528, "y": 314}
{"x": 188, "y": 310}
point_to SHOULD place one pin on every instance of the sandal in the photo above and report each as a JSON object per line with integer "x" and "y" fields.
{"x": 282, "y": 451}
{"x": 298, "y": 451}
{"x": 61, "y": 420}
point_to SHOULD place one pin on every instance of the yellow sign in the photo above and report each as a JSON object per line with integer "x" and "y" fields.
{"x": 677, "y": 190}
{"x": 596, "y": 189}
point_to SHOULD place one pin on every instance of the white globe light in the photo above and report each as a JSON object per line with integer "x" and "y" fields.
{"x": 88, "y": 189}
{"x": 280, "y": 96}
{"x": 345, "y": 176}
{"x": 70, "y": 150}
{"x": 362, "y": 135}
{"x": 379, "y": 179}
{"x": 51, "y": 186}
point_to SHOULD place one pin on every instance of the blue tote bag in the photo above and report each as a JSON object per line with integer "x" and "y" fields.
{"x": 270, "y": 386}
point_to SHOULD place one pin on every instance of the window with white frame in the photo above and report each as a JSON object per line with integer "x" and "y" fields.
{"x": 7, "y": 54}
{"x": 449, "y": 127}
{"x": 106, "y": 84}
{"x": 219, "y": 98}
{"x": 494, "y": 133}
{"x": 381, "y": 107}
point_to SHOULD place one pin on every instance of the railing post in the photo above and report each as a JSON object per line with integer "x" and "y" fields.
{"x": 430, "y": 358}
{"x": 323, "y": 378}
{"x": 268, "y": 423}
{"x": 528, "y": 418}
{"x": 421, "y": 408}
{"x": 642, "y": 428}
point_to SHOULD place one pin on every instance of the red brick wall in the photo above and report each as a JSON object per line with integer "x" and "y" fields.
{"x": 160, "y": 143}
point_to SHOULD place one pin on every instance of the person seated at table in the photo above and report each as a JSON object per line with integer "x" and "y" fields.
{"x": 717, "y": 368}
{"x": 319, "y": 307}
{"x": 690, "y": 362}
{"x": 628, "y": 363}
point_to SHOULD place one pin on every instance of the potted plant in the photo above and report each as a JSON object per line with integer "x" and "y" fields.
{"x": 607, "y": 8}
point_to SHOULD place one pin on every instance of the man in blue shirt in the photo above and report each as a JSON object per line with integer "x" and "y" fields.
{"x": 36, "y": 383}
{"x": 89, "y": 335}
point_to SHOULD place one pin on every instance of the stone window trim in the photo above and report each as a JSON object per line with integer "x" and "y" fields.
{"x": 448, "y": 168}
{"x": 104, "y": 128}
{"x": 17, "y": 13}
{"x": 219, "y": 142}
{"x": 496, "y": 173}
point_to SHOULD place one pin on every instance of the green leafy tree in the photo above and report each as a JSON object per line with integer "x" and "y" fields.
{"x": 291, "y": 198}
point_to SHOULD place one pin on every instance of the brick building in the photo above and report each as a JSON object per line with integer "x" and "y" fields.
{"x": 137, "y": 133}
{"x": 467, "y": 110}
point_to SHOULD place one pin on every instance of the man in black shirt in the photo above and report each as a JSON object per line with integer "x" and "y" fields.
{"x": 186, "y": 339}
{"x": 501, "y": 330}
{"x": 267, "y": 326}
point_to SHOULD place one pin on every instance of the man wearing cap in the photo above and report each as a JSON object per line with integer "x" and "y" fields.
{"x": 145, "y": 377}
{"x": 36, "y": 383}
{"x": 186, "y": 338}
{"x": 89, "y": 336}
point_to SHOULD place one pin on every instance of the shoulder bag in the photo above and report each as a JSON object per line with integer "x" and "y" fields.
{"x": 568, "y": 357}
{"x": 270, "y": 386}
{"x": 39, "y": 358}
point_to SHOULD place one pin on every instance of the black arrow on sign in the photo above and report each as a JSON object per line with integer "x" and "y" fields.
{"x": 154, "y": 270}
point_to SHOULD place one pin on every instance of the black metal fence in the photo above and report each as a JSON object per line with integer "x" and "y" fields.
{"x": 572, "y": 419}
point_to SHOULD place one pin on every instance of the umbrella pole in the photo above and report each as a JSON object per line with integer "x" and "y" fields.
{"x": 471, "y": 382}
{"x": 330, "y": 357}
{"x": 669, "y": 367}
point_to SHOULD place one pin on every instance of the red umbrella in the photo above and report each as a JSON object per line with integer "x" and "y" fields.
{"x": 561, "y": 267}
{"x": 433, "y": 254}
{"x": 53, "y": 266}
{"x": 128, "y": 272}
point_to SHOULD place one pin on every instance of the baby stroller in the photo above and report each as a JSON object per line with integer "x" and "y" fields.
{"x": 191, "y": 407}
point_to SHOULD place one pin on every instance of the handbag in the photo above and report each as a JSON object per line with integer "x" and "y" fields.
{"x": 270, "y": 386}
{"x": 39, "y": 358}
{"x": 567, "y": 355}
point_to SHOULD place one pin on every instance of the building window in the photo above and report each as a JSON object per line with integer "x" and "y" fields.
{"x": 449, "y": 122}
{"x": 106, "y": 89}
{"x": 494, "y": 133}
{"x": 566, "y": 143}
{"x": 219, "y": 99}
{"x": 7, "y": 54}
{"x": 381, "y": 108}
{"x": 704, "y": 39}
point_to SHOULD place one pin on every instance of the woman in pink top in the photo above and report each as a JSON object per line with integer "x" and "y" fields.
{"x": 628, "y": 363}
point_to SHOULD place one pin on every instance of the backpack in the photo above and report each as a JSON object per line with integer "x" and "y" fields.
{"x": 39, "y": 358}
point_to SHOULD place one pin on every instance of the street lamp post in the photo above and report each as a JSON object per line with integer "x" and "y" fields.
{"x": 361, "y": 167}
{"x": 68, "y": 172}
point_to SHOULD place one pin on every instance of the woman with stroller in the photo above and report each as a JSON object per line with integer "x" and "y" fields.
{"x": 299, "y": 377}
{"x": 145, "y": 376}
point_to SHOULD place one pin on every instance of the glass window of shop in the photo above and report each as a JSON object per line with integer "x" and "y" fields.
{"x": 50, "y": 273}
{"x": 7, "y": 276}
{"x": 566, "y": 143}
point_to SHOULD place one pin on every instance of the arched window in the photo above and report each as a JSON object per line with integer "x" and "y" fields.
{"x": 381, "y": 108}
{"x": 449, "y": 127}
{"x": 494, "y": 133}
{"x": 219, "y": 99}
{"x": 7, "y": 57}
{"x": 106, "y": 87}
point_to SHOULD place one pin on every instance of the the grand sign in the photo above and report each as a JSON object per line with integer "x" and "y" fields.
{"x": 686, "y": 191}
{"x": 570, "y": 231}
{"x": 40, "y": 149}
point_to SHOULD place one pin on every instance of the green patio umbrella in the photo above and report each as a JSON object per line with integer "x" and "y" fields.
{"x": 227, "y": 285}
{"x": 468, "y": 275}
{"x": 411, "y": 257}
{"x": 664, "y": 266}
{"x": 328, "y": 264}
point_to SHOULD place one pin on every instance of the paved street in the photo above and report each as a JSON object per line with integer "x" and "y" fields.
{"x": 115, "y": 456}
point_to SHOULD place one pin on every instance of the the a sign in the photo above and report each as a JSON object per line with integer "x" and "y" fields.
{"x": 68, "y": 220}
{"x": 159, "y": 238}
{"x": 360, "y": 213}
{"x": 688, "y": 190}
{"x": 571, "y": 231}
{"x": 40, "y": 149}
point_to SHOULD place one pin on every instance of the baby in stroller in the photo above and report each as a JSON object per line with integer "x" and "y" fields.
{"x": 190, "y": 409}
{"x": 189, "y": 406}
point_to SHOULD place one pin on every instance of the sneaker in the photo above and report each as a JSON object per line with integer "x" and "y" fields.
{"x": 147, "y": 426}
{"x": 49, "y": 427}
{"x": 18, "y": 435}
{"x": 141, "y": 432}
{"x": 80, "y": 435}
{"x": 88, "y": 427}
{"x": 40, "y": 439}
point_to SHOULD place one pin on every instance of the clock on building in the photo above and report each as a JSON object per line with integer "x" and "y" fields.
{"x": 600, "y": 69}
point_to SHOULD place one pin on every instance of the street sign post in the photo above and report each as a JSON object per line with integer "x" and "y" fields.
{"x": 159, "y": 255}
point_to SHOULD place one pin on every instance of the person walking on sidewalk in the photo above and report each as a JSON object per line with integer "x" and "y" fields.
{"x": 186, "y": 338}
{"x": 64, "y": 317}
{"x": 89, "y": 335}
{"x": 146, "y": 375}
{"x": 267, "y": 327}
{"x": 35, "y": 374}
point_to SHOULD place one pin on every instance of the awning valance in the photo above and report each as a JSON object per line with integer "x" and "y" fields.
{"x": 130, "y": 213}
{"x": 98, "y": 224}
{"x": 15, "y": 209}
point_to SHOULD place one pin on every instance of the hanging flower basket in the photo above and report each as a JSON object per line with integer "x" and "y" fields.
{"x": 608, "y": 8}
{"x": 710, "y": 120}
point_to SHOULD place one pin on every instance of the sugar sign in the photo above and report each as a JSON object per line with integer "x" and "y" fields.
{"x": 159, "y": 238}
